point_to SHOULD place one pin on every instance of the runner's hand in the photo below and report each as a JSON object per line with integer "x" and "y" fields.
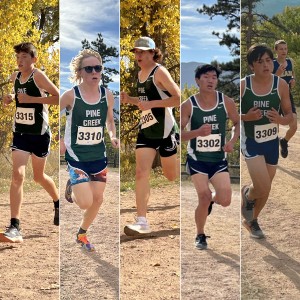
{"x": 292, "y": 82}
{"x": 115, "y": 142}
{"x": 204, "y": 130}
{"x": 24, "y": 98}
{"x": 144, "y": 105}
{"x": 273, "y": 116}
{"x": 228, "y": 147}
{"x": 7, "y": 99}
{"x": 124, "y": 97}
{"x": 253, "y": 114}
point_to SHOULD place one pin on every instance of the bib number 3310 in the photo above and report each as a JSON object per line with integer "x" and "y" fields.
{"x": 89, "y": 135}
{"x": 210, "y": 143}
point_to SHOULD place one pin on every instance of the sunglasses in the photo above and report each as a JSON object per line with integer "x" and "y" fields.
{"x": 89, "y": 69}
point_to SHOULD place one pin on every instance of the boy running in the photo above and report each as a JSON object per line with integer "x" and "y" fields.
{"x": 31, "y": 133}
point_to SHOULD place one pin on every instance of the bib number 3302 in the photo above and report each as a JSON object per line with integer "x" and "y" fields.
{"x": 147, "y": 119}
{"x": 210, "y": 143}
{"x": 265, "y": 133}
{"x": 89, "y": 135}
{"x": 25, "y": 115}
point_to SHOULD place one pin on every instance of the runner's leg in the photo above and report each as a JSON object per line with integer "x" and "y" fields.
{"x": 38, "y": 166}
{"x": 97, "y": 189}
{"x": 222, "y": 186}
{"x": 19, "y": 159}
{"x": 144, "y": 161}
{"x": 170, "y": 167}
{"x": 204, "y": 198}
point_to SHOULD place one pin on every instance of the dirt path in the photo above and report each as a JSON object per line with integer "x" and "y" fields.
{"x": 150, "y": 266}
{"x": 212, "y": 273}
{"x": 30, "y": 270}
{"x": 94, "y": 275}
{"x": 271, "y": 267}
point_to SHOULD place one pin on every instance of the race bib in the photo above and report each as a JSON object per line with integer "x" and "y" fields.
{"x": 265, "y": 133}
{"x": 89, "y": 135}
{"x": 210, "y": 143}
{"x": 25, "y": 115}
{"x": 147, "y": 119}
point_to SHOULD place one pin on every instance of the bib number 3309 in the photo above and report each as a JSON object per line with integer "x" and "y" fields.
{"x": 89, "y": 135}
{"x": 210, "y": 143}
{"x": 265, "y": 133}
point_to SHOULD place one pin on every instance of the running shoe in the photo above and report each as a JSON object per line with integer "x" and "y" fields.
{"x": 85, "y": 244}
{"x": 254, "y": 229}
{"x": 56, "y": 217}
{"x": 247, "y": 205}
{"x": 11, "y": 235}
{"x": 200, "y": 241}
{"x": 283, "y": 147}
{"x": 137, "y": 229}
{"x": 68, "y": 191}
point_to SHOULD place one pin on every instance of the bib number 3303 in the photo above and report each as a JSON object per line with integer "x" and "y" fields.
{"x": 89, "y": 135}
{"x": 210, "y": 143}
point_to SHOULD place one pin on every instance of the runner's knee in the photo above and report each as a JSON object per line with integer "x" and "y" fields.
{"x": 170, "y": 175}
{"x": 204, "y": 197}
{"x": 18, "y": 177}
{"x": 223, "y": 197}
{"x": 141, "y": 173}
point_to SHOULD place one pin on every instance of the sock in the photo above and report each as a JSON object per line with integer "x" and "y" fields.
{"x": 15, "y": 222}
{"x": 142, "y": 220}
{"x": 56, "y": 204}
{"x": 81, "y": 231}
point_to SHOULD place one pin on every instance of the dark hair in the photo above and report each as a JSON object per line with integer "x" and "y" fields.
{"x": 27, "y": 48}
{"x": 205, "y": 69}
{"x": 256, "y": 51}
{"x": 157, "y": 55}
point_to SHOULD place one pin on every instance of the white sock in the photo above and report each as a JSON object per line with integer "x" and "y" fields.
{"x": 142, "y": 220}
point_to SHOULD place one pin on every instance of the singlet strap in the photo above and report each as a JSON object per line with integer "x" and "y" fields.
{"x": 193, "y": 100}
{"x": 248, "y": 82}
{"x": 77, "y": 93}
{"x": 153, "y": 71}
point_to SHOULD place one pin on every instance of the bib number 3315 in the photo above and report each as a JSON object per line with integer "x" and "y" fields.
{"x": 89, "y": 135}
{"x": 210, "y": 143}
{"x": 25, "y": 115}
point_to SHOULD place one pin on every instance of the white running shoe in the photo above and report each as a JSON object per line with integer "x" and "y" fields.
{"x": 137, "y": 229}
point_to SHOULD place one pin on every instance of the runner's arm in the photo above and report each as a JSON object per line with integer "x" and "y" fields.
{"x": 235, "y": 118}
{"x": 44, "y": 83}
{"x": 163, "y": 80}
{"x": 110, "y": 122}
{"x": 185, "y": 114}
{"x": 126, "y": 99}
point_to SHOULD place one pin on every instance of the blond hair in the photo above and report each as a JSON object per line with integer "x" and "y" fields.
{"x": 76, "y": 63}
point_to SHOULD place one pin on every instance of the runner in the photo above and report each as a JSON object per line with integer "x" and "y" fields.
{"x": 205, "y": 115}
{"x": 157, "y": 95}
{"x": 284, "y": 68}
{"x": 31, "y": 134}
{"x": 262, "y": 95}
{"x": 89, "y": 108}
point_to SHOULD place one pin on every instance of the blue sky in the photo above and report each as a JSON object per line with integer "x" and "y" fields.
{"x": 84, "y": 19}
{"x": 197, "y": 42}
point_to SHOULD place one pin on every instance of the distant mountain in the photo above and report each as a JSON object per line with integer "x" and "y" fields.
{"x": 187, "y": 71}
{"x": 271, "y": 7}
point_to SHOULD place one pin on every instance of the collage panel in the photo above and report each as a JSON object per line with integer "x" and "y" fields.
{"x": 89, "y": 146}
{"x": 270, "y": 39}
{"x": 150, "y": 196}
{"x": 29, "y": 160}
{"x": 210, "y": 128}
